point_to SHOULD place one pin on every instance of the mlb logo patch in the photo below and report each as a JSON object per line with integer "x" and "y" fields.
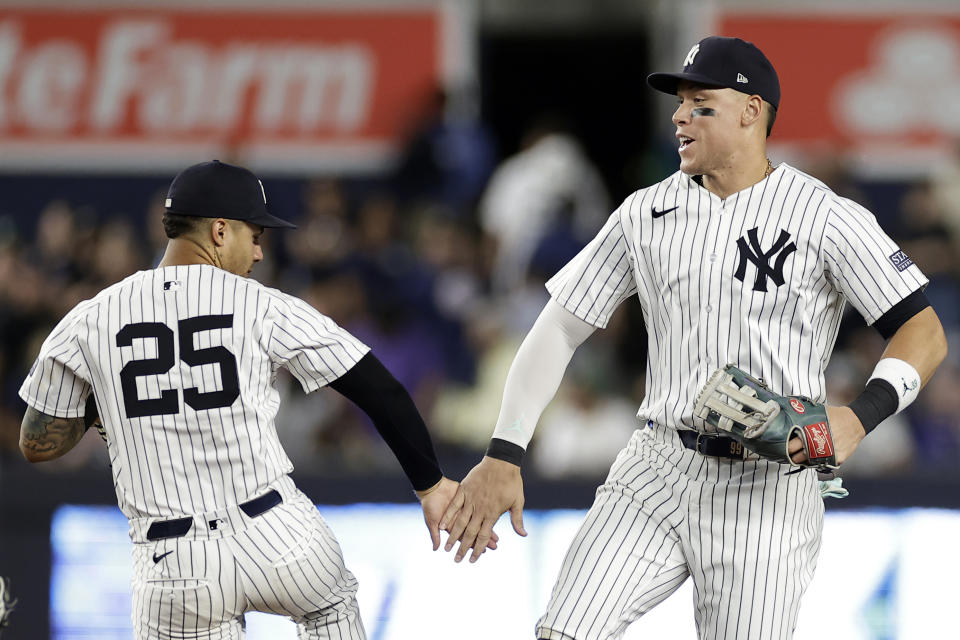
{"x": 900, "y": 261}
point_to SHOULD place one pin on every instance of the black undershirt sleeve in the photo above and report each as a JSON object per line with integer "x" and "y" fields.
{"x": 898, "y": 314}
{"x": 90, "y": 414}
{"x": 371, "y": 387}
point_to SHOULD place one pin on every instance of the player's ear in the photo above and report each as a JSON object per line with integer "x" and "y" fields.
{"x": 218, "y": 231}
{"x": 752, "y": 111}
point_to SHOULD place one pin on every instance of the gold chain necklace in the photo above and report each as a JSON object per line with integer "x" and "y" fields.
{"x": 768, "y": 170}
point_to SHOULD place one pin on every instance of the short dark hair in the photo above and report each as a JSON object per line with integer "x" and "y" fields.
{"x": 176, "y": 225}
{"x": 771, "y": 117}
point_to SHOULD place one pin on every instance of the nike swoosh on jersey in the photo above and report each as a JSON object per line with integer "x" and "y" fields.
{"x": 659, "y": 214}
{"x": 157, "y": 558}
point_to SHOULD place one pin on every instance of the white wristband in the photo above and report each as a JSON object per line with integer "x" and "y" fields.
{"x": 902, "y": 377}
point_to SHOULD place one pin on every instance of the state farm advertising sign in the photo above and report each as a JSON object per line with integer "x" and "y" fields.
{"x": 882, "y": 88}
{"x": 288, "y": 88}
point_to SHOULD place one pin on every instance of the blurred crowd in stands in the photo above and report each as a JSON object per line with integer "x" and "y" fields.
{"x": 440, "y": 268}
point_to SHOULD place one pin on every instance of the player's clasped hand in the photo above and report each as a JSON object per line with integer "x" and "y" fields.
{"x": 491, "y": 488}
{"x": 434, "y": 501}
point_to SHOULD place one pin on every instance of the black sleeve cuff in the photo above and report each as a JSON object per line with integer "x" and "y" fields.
{"x": 370, "y": 386}
{"x": 898, "y": 314}
{"x": 878, "y": 402}
{"x": 506, "y": 451}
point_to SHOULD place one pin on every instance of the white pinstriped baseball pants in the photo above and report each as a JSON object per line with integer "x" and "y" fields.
{"x": 285, "y": 561}
{"x": 746, "y": 533}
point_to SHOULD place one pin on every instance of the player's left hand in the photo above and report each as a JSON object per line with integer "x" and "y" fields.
{"x": 846, "y": 430}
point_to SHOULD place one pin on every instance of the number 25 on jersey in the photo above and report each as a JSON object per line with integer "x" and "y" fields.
{"x": 168, "y": 402}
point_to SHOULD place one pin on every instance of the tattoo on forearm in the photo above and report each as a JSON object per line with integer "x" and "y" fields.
{"x": 48, "y": 436}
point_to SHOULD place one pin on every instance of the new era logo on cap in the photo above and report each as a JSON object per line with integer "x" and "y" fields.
{"x": 742, "y": 78}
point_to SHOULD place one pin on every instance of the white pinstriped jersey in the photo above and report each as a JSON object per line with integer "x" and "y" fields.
{"x": 758, "y": 279}
{"x": 182, "y": 362}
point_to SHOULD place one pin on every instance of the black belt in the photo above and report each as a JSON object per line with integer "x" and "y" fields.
{"x": 716, "y": 446}
{"x": 179, "y": 526}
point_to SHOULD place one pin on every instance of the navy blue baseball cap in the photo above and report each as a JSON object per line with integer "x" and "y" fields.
{"x": 722, "y": 62}
{"x": 219, "y": 190}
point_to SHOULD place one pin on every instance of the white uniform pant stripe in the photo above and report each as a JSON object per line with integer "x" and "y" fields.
{"x": 623, "y": 525}
{"x": 666, "y": 513}
{"x": 598, "y": 520}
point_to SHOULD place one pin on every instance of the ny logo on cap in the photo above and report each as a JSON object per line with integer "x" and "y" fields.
{"x": 690, "y": 56}
{"x": 262, "y": 191}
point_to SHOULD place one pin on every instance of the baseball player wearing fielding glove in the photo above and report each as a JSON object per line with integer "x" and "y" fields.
{"x": 735, "y": 260}
{"x": 764, "y": 422}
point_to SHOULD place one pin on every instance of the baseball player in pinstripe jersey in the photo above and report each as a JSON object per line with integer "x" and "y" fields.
{"x": 179, "y": 362}
{"x": 733, "y": 261}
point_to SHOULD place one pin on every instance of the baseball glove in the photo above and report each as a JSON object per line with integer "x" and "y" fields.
{"x": 763, "y": 421}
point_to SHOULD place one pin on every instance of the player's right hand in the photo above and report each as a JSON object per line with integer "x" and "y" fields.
{"x": 433, "y": 501}
{"x": 491, "y": 488}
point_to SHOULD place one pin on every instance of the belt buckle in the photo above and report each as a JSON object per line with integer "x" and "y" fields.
{"x": 700, "y": 441}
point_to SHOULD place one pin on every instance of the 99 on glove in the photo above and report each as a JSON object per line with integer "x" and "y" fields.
{"x": 763, "y": 421}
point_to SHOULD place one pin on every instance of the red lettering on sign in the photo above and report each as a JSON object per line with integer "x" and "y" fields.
{"x": 110, "y": 85}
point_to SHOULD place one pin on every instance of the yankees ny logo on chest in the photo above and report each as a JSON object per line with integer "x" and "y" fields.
{"x": 754, "y": 253}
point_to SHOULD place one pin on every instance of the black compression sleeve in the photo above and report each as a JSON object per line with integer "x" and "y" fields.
{"x": 898, "y": 314}
{"x": 374, "y": 389}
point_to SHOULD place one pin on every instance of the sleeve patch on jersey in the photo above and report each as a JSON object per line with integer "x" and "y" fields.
{"x": 900, "y": 260}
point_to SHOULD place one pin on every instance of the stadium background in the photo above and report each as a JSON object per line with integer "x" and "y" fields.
{"x": 442, "y": 158}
